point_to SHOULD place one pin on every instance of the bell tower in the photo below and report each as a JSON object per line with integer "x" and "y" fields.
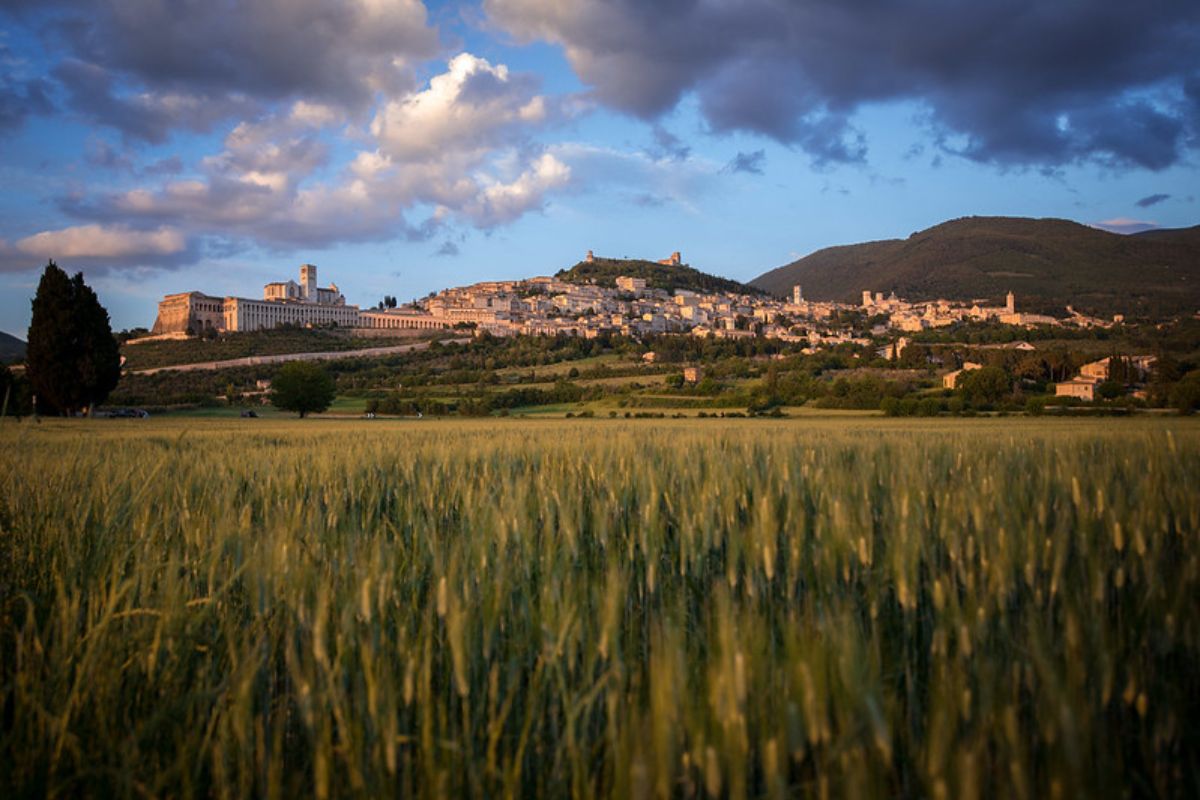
{"x": 308, "y": 282}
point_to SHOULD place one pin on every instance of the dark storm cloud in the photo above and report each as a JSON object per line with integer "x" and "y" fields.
{"x": 747, "y": 162}
{"x": 1152, "y": 200}
{"x": 93, "y": 92}
{"x": 146, "y": 67}
{"x": 1009, "y": 82}
{"x": 20, "y": 95}
{"x": 22, "y": 98}
{"x": 264, "y": 48}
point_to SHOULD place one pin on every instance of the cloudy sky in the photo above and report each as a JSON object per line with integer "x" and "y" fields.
{"x": 169, "y": 145}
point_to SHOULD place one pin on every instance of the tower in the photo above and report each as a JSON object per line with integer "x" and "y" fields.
{"x": 308, "y": 282}
{"x": 866, "y": 298}
{"x": 1010, "y": 303}
{"x": 797, "y": 295}
{"x": 589, "y": 258}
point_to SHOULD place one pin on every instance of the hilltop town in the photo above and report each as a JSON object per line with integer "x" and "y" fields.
{"x": 551, "y": 306}
{"x": 650, "y": 304}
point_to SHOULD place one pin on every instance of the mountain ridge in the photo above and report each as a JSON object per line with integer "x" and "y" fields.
{"x": 12, "y": 349}
{"x": 1049, "y": 263}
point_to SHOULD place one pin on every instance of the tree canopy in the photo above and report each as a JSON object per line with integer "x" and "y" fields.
{"x": 303, "y": 387}
{"x": 986, "y": 385}
{"x": 73, "y": 359}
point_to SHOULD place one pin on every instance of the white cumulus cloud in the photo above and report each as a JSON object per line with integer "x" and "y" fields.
{"x": 461, "y": 149}
{"x": 499, "y": 203}
{"x": 103, "y": 242}
{"x": 467, "y": 110}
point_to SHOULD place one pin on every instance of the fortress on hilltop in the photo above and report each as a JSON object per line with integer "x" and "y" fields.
{"x": 283, "y": 303}
{"x": 674, "y": 260}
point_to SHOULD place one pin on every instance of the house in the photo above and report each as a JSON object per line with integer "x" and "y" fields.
{"x": 627, "y": 283}
{"x": 950, "y": 379}
{"x": 1080, "y": 388}
{"x": 893, "y": 350}
{"x": 1140, "y": 367}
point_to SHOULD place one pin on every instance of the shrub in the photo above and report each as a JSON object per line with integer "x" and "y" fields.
{"x": 928, "y": 407}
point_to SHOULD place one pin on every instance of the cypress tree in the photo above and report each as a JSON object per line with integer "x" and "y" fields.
{"x": 73, "y": 360}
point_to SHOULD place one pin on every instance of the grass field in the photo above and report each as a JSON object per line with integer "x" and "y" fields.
{"x": 255, "y": 343}
{"x": 548, "y": 608}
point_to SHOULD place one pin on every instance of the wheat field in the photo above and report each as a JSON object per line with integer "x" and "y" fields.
{"x": 600, "y": 608}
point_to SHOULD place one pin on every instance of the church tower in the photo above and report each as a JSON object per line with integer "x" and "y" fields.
{"x": 1010, "y": 303}
{"x": 308, "y": 282}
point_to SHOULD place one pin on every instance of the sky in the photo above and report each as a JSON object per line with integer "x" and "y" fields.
{"x": 174, "y": 145}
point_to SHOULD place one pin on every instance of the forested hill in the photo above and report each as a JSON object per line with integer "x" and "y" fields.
{"x": 11, "y": 348}
{"x": 1048, "y": 263}
{"x": 605, "y": 271}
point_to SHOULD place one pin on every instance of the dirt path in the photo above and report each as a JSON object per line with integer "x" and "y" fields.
{"x": 250, "y": 361}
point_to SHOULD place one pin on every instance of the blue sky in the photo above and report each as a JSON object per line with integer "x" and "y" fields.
{"x": 159, "y": 147}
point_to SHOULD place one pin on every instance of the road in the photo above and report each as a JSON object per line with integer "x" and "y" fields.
{"x": 250, "y": 361}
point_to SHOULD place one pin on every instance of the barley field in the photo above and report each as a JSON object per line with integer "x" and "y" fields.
{"x": 692, "y": 608}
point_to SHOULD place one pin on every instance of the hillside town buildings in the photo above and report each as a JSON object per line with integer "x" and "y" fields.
{"x": 546, "y": 306}
{"x": 550, "y": 306}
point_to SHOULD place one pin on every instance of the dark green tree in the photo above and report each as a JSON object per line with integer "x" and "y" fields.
{"x": 1120, "y": 370}
{"x": 986, "y": 385}
{"x": 14, "y": 393}
{"x": 303, "y": 387}
{"x": 1185, "y": 395}
{"x": 73, "y": 360}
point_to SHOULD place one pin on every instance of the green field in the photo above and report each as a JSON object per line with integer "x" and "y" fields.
{"x": 256, "y": 343}
{"x": 551, "y": 608}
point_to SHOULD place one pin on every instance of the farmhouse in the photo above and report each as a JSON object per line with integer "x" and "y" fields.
{"x": 950, "y": 379}
{"x": 1081, "y": 388}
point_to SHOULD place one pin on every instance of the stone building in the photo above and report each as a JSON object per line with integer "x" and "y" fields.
{"x": 950, "y": 379}
{"x": 400, "y": 319}
{"x": 242, "y": 314}
{"x": 289, "y": 302}
{"x": 627, "y": 283}
{"x": 1081, "y": 388}
{"x": 192, "y": 312}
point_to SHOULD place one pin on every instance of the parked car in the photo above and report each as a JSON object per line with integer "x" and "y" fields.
{"x": 249, "y": 412}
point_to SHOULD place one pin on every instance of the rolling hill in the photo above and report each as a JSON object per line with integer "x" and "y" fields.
{"x": 605, "y": 271}
{"x": 11, "y": 348}
{"x": 1048, "y": 263}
